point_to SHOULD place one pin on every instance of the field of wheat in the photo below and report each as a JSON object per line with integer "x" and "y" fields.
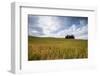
{"x": 56, "y": 48}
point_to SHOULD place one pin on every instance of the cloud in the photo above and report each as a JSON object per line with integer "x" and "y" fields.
{"x": 79, "y": 33}
{"x": 58, "y": 26}
{"x": 49, "y": 24}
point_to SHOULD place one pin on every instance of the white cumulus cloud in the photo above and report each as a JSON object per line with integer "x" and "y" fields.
{"x": 48, "y": 24}
{"x": 79, "y": 33}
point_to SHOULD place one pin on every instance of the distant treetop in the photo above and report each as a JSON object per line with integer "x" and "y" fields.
{"x": 69, "y": 37}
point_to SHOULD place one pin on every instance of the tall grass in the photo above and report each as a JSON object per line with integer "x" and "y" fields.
{"x": 56, "y": 48}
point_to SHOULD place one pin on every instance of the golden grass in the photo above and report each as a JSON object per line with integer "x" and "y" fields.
{"x": 56, "y": 48}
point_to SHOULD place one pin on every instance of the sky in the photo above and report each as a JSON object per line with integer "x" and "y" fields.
{"x": 58, "y": 26}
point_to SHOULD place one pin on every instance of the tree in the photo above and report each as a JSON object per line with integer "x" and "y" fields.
{"x": 69, "y": 37}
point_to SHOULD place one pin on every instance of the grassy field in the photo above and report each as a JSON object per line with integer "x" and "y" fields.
{"x": 56, "y": 48}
